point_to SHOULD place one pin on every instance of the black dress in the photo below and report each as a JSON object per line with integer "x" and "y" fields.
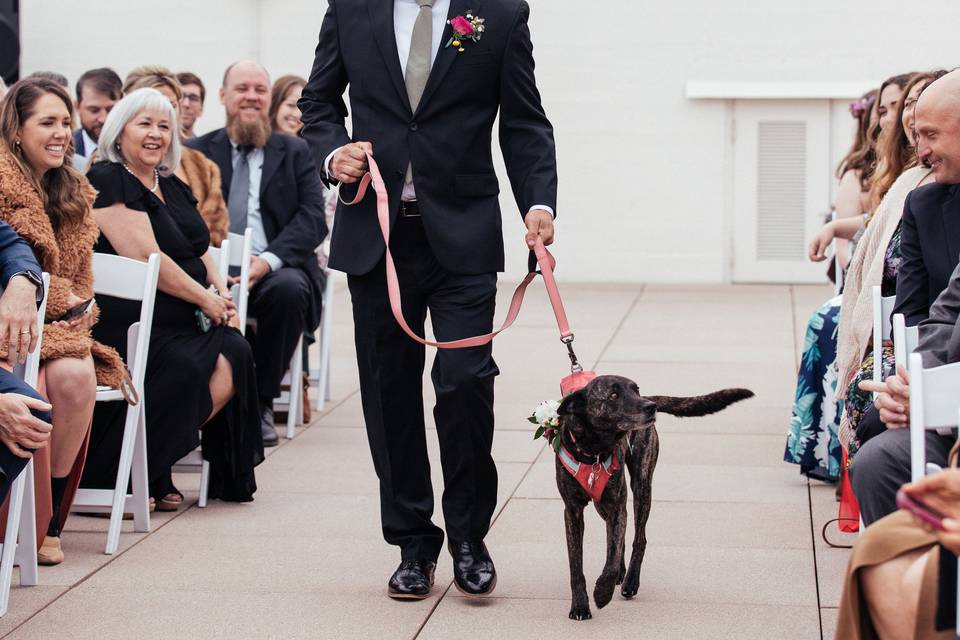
{"x": 181, "y": 358}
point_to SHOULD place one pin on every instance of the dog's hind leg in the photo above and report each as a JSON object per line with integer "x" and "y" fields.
{"x": 616, "y": 532}
{"x": 580, "y": 604}
{"x": 641, "y": 485}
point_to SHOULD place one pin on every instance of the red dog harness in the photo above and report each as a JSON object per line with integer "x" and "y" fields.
{"x": 592, "y": 477}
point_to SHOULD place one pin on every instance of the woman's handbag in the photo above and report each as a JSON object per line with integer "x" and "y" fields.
{"x": 540, "y": 256}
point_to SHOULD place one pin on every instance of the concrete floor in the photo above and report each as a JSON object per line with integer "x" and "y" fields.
{"x": 734, "y": 536}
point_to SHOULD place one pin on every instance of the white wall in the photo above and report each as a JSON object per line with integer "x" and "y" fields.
{"x": 643, "y": 173}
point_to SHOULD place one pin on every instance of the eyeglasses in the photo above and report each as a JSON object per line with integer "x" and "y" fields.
{"x": 192, "y": 98}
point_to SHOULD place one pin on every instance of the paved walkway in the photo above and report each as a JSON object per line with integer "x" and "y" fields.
{"x": 734, "y": 536}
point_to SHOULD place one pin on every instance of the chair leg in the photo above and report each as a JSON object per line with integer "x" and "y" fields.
{"x": 326, "y": 329}
{"x": 204, "y": 484}
{"x": 26, "y": 556}
{"x": 10, "y": 542}
{"x": 296, "y": 390}
{"x": 131, "y": 425}
{"x": 139, "y": 478}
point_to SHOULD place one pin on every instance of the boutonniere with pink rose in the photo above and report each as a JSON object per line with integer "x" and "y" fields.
{"x": 465, "y": 27}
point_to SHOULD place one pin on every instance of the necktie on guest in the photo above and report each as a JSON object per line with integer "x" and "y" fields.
{"x": 239, "y": 200}
{"x": 418, "y": 63}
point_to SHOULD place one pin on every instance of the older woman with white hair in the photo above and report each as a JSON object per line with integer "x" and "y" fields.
{"x": 200, "y": 373}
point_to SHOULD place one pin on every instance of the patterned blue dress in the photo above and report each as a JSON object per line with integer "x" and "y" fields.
{"x": 812, "y": 441}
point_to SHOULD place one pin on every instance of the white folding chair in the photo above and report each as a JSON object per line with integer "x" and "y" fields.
{"x": 194, "y": 461}
{"x": 238, "y": 250}
{"x": 882, "y": 310}
{"x": 130, "y": 280}
{"x": 20, "y": 541}
{"x": 934, "y": 405}
{"x": 905, "y": 339}
{"x": 321, "y": 377}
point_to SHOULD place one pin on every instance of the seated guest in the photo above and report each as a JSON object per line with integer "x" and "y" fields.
{"x": 901, "y": 581}
{"x": 47, "y": 202}
{"x": 191, "y": 105}
{"x": 24, "y": 415}
{"x": 59, "y": 78}
{"x": 930, "y": 245}
{"x": 200, "y": 372}
{"x": 97, "y": 91}
{"x": 273, "y": 187}
{"x": 201, "y": 174}
{"x": 284, "y": 113}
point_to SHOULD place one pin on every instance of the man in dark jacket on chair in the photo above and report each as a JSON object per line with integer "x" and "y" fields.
{"x": 272, "y": 186}
{"x": 24, "y": 415}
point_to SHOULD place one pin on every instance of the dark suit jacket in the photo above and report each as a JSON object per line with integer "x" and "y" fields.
{"x": 291, "y": 201}
{"x": 15, "y": 255}
{"x": 78, "y": 146}
{"x": 929, "y": 248}
{"x": 448, "y": 138}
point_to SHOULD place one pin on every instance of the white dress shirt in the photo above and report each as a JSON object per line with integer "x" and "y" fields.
{"x": 254, "y": 215}
{"x": 404, "y": 17}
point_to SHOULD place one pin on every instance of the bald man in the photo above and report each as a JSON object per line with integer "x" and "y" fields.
{"x": 272, "y": 186}
{"x": 930, "y": 250}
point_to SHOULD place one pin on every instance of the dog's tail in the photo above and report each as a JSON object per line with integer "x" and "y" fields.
{"x": 699, "y": 405}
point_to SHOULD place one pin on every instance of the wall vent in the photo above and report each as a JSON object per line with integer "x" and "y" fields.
{"x": 781, "y": 190}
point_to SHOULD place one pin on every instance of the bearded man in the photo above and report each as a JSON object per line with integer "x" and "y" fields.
{"x": 272, "y": 186}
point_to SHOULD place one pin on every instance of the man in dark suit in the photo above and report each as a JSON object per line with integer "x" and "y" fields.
{"x": 24, "y": 415}
{"x": 272, "y": 186}
{"x": 930, "y": 245}
{"x": 423, "y": 99}
{"x": 97, "y": 91}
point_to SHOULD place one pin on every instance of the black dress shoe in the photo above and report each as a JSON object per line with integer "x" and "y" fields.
{"x": 473, "y": 570}
{"x": 412, "y": 580}
{"x": 270, "y": 438}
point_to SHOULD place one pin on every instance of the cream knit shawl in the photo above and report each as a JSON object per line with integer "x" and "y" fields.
{"x": 866, "y": 272}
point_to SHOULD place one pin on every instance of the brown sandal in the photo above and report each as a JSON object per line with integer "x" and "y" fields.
{"x": 170, "y": 502}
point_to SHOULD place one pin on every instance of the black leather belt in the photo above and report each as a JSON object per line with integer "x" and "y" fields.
{"x": 409, "y": 209}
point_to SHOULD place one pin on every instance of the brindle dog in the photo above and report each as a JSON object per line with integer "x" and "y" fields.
{"x": 608, "y": 414}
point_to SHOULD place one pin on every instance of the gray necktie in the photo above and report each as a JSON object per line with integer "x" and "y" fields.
{"x": 418, "y": 63}
{"x": 240, "y": 191}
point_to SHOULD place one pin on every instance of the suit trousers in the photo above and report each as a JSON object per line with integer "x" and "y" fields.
{"x": 391, "y": 386}
{"x": 280, "y": 303}
{"x": 11, "y": 465}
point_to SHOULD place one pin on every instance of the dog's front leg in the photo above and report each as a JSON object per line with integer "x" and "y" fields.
{"x": 580, "y": 604}
{"x": 616, "y": 532}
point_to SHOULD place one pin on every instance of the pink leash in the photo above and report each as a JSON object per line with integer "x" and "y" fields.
{"x": 544, "y": 258}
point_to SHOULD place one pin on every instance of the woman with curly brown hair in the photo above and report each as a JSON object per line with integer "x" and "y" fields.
{"x": 47, "y": 202}
{"x": 284, "y": 113}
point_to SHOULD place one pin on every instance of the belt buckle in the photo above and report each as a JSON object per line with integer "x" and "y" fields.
{"x": 405, "y": 213}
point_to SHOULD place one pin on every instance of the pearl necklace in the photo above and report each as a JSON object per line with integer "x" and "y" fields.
{"x": 156, "y": 177}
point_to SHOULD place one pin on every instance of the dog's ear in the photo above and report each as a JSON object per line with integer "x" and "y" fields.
{"x": 574, "y": 403}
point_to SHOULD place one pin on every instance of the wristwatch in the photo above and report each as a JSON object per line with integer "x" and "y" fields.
{"x": 35, "y": 280}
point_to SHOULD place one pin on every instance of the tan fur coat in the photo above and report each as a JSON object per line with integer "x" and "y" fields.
{"x": 67, "y": 255}
{"x": 203, "y": 176}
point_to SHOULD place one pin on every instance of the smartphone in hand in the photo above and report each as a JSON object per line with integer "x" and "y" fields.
{"x": 925, "y": 513}
{"x": 74, "y": 312}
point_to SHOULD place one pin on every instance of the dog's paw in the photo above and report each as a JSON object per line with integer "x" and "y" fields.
{"x": 603, "y": 591}
{"x": 631, "y": 584}
{"x": 580, "y": 612}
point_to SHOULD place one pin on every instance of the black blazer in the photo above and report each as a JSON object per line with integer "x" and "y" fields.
{"x": 929, "y": 248}
{"x": 291, "y": 201}
{"x": 448, "y": 138}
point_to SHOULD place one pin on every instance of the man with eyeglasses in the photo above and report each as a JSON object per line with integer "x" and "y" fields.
{"x": 191, "y": 105}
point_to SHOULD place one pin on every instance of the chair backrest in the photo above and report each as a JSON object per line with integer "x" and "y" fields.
{"x": 934, "y": 404}
{"x": 131, "y": 280}
{"x": 905, "y": 339}
{"x": 218, "y": 253}
{"x": 837, "y": 267}
{"x": 241, "y": 249}
{"x": 882, "y": 329}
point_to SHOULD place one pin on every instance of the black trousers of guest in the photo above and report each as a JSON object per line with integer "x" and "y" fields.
{"x": 882, "y": 464}
{"x": 11, "y": 465}
{"x": 280, "y": 303}
{"x": 391, "y": 373}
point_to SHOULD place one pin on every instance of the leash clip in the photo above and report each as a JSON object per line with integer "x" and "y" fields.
{"x": 574, "y": 363}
